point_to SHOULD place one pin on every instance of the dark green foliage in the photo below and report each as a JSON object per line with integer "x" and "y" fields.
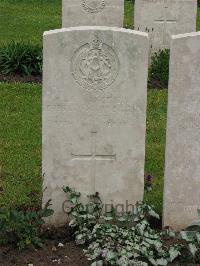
{"x": 22, "y": 229}
{"x": 159, "y": 70}
{"x": 20, "y": 58}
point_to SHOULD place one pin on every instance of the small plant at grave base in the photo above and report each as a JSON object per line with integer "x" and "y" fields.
{"x": 22, "y": 229}
{"x": 118, "y": 238}
{"x": 159, "y": 69}
{"x": 192, "y": 237}
{"x": 19, "y": 58}
{"x": 148, "y": 183}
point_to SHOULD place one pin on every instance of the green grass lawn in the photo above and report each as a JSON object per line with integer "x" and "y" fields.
{"x": 155, "y": 144}
{"x": 20, "y": 142}
{"x": 20, "y": 111}
{"x": 28, "y": 19}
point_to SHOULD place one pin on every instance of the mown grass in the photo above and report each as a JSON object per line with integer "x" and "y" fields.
{"x": 155, "y": 144}
{"x": 20, "y": 144}
{"x": 128, "y": 16}
{"x": 20, "y": 111}
{"x": 28, "y": 19}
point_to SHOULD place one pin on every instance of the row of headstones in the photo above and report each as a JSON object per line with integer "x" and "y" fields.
{"x": 94, "y": 119}
{"x": 159, "y": 18}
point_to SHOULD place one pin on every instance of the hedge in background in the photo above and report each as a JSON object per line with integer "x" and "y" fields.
{"x": 19, "y": 58}
{"x": 159, "y": 70}
{"x": 25, "y": 59}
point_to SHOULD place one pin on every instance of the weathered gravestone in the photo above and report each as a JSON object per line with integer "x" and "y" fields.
{"x": 94, "y": 111}
{"x": 92, "y": 13}
{"x": 163, "y": 18}
{"x": 182, "y": 179}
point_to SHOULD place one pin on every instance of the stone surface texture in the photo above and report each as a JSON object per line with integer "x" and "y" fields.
{"x": 94, "y": 115}
{"x": 92, "y": 13}
{"x": 182, "y": 179}
{"x": 163, "y": 18}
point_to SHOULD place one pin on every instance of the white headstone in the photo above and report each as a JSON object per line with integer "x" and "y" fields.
{"x": 94, "y": 113}
{"x": 92, "y": 13}
{"x": 182, "y": 179}
{"x": 163, "y": 18}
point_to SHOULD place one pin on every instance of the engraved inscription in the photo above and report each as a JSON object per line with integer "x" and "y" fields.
{"x": 164, "y": 22}
{"x": 188, "y": 113}
{"x": 188, "y": 209}
{"x": 121, "y": 113}
{"x": 160, "y": 29}
{"x": 95, "y": 65}
{"x": 93, "y": 6}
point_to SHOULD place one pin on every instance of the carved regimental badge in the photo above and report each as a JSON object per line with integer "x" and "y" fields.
{"x": 95, "y": 65}
{"x": 93, "y": 6}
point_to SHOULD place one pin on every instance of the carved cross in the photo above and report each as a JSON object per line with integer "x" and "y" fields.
{"x": 93, "y": 156}
{"x": 165, "y": 21}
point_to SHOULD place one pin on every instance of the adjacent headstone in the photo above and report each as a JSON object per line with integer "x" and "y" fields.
{"x": 92, "y": 13}
{"x": 94, "y": 112}
{"x": 163, "y": 18}
{"x": 182, "y": 179}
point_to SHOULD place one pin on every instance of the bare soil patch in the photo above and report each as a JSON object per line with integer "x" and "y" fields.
{"x": 18, "y": 78}
{"x": 50, "y": 254}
